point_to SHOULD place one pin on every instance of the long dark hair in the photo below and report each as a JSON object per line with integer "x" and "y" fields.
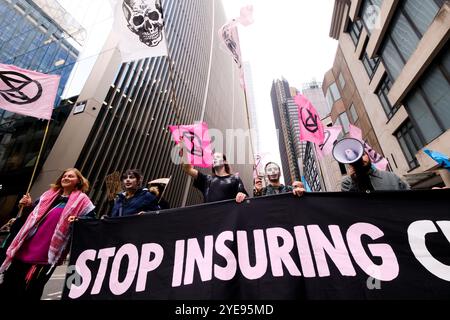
{"x": 225, "y": 164}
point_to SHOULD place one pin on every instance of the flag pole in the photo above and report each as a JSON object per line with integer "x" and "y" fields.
{"x": 36, "y": 164}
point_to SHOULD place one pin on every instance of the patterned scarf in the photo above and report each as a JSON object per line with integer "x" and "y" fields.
{"x": 78, "y": 205}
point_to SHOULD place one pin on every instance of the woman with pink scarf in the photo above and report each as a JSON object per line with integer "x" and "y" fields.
{"x": 42, "y": 242}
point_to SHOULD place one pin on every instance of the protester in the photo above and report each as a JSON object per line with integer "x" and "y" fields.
{"x": 221, "y": 185}
{"x": 273, "y": 174}
{"x": 42, "y": 242}
{"x": 364, "y": 177}
{"x": 257, "y": 186}
{"x": 157, "y": 190}
{"x": 134, "y": 199}
{"x": 13, "y": 226}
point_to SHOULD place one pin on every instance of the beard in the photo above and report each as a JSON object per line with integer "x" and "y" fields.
{"x": 274, "y": 178}
{"x": 361, "y": 176}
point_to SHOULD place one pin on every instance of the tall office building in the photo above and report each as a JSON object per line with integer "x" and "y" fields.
{"x": 286, "y": 122}
{"x": 312, "y": 171}
{"x": 391, "y": 77}
{"x": 124, "y": 110}
{"x": 313, "y": 91}
{"x": 251, "y": 104}
{"x": 37, "y": 35}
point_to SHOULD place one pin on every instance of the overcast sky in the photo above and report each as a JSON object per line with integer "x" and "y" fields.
{"x": 288, "y": 39}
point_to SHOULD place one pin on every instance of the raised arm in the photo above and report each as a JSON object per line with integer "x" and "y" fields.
{"x": 187, "y": 167}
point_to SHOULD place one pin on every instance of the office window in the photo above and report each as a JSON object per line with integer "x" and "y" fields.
{"x": 428, "y": 104}
{"x": 355, "y": 29}
{"x": 407, "y": 28}
{"x": 370, "y": 64}
{"x": 341, "y": 80}
{"x": 410, "y": 143}
{"x": 382, "y": 94}
{"x": 436, "y": 89}
{"x": 354, "y": 114}
{"x": 426, "y": 122}
{"x": 421, "y": 13}
{"x": 392, "y": 59}
{"x": 369, "y": 13}
{"x": 335, "y": 92}
{"x": 333, "y": 95}
{"x": 345, "y": 123}
{"x": 404, "y": 37}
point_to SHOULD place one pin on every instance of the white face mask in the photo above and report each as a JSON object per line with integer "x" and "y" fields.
{"x": 273, "y": 172}
{"x": 218, "y": 160}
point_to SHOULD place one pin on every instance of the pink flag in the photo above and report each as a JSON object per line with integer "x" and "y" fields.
{"x": 246, "y": 17}
{"x": 355, "y": 132}
{"x": 229, "y": 33}
{"x": 27, "y": 92}
{"x": 330, "y": 136}
{"x": 311, "y": 128}
{"x": 377, "y": 159}
{"x": 197, "y": 142}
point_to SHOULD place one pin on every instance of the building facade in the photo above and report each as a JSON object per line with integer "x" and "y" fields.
{"x": 392, "y": 77}
{"x": 312, "y": 170}
{"x": 127, "y": 108}
{"x": 286, "y": 123}
{"x": 32, "y": 38}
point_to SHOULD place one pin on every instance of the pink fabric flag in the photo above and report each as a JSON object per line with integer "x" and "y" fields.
{"x": 246, "y": 17}
{"x": 27, "y": 92}
{"x": 377, "y": 159}
{"x": 331, "y": 134}
{"x": 230, "y": 36}
{"x": 355, "y": 132}
{"x": 311, "y": 128}
{"x": 197, "y": 142}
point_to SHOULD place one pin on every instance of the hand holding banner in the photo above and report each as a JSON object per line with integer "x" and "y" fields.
{"x": 197, "y": 142}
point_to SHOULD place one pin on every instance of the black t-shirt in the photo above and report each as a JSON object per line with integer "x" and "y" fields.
{"x": 216, "y": 188}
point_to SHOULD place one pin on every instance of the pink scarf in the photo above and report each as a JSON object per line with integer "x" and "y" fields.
{"x": 78, "y": 205}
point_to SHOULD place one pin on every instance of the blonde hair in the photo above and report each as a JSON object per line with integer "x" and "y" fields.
{"x": 82, "y": 185}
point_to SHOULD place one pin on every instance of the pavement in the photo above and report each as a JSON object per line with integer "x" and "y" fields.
{"x": 54, "y": 287}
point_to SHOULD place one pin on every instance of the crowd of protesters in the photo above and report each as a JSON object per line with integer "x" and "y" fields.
{"x": 38, "y": 239}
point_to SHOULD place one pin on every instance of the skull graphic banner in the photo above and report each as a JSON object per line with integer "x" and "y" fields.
{"x": 27, "y": 92}
{"x": 140, "y": 27}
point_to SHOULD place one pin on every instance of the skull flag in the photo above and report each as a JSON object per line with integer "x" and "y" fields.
{"x": 311, "y": 127}
{"x": 139, "y": 25}
{"x": 27, "y": 92}
{"x": 229, "y": 35}
{"x": 196, "y": 141}
{"x": 377, "y": 159}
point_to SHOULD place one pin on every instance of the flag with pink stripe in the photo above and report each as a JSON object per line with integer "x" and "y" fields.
{"x": 311, "y": 128}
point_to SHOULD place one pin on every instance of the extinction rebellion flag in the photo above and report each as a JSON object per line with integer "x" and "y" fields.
{"x": 197, "y": 141}
{"x": 27, "y": 92}
{"x": 139, "y": 25}
{"x": 381, "y": 245}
